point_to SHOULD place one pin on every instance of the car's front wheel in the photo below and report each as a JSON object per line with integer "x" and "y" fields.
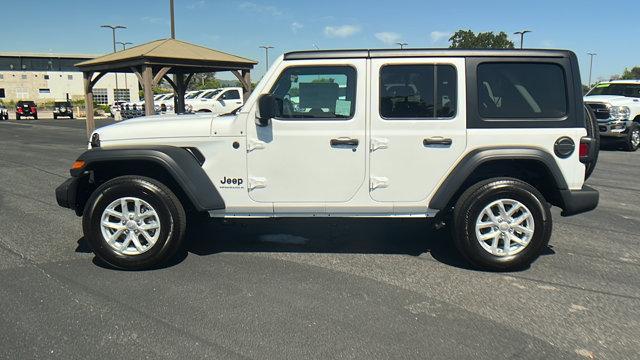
{"x": 134, "y": 223}
{"x": 501, "y": 224}
{"x": 632, "y": 141}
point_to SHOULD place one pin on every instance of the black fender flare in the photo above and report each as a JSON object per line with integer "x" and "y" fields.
{"x": 180, "y": 163}
{"x": 474, "y": 159}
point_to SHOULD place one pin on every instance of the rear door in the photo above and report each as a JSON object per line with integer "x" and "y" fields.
{"x": 418, "y": 126}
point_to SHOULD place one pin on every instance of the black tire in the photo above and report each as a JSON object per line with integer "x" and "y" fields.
{"x": 634, "y": 129}
{"x": 55, "y": 117}
{"x": 161, "y": 198}
{"x": 17, "y": 117}
{"x": 35, "y": 117}
{"x": 71, "y": 116}
{"x": 591, "y": 124}
{"x": 472, "y": 202}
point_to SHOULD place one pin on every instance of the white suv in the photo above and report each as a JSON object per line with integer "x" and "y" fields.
{"x": 217, "y": 101}
{"x": 616, "y": 105}
{"x": 483, "y": 140}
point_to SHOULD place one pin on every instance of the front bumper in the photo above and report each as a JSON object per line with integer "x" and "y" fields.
{"x": 579, "y": 201}
{"x": 67, "y": 192}
{"x": 614, "y": 128}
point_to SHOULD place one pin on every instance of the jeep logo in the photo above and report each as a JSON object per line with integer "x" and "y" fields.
{"x": 231, "y": 181}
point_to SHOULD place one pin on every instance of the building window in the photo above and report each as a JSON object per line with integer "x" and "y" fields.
{"x": 69, "y": 77}
{"x": 46, "y": 77}
{"x": 24, "y": 77}
{"x": 1, "y": 93}
{"x": 44, "y": 91}
{"x": 100, "y": 97}
{"x": 121, "y": 95}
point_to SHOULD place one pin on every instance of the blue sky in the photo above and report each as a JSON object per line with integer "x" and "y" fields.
{"x": 609, "y": 28}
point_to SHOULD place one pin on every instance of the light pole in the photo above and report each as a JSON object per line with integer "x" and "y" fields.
{"x": 521, "y": 33}
{"x": 266, "y": 53}
{"x": 113, "y": 30}
{"x": 124, "y": 47}
{"x": 591, "y": 55}
{"x": 402, "y": 44}
{"x": 173, "y": 26}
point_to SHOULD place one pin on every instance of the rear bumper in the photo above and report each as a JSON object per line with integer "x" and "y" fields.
{"x": 67, "y": 192}
{"x": 579, "y": 201}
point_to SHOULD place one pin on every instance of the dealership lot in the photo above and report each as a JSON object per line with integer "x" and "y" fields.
{"x": 320, "y": 288}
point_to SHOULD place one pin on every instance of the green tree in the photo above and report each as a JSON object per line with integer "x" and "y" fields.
{"x": 467, "y": 39}
{"x": 204, "y": 81}
{"x": 631, "y": 74}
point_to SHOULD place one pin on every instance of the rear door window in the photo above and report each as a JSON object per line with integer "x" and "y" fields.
{"x": 521, "y": 91}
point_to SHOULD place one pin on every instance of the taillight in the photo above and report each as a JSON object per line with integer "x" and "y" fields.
{"x": 584, "y": 149}
{"x": 33, "y": 109}
{"x": 20, "y": 110}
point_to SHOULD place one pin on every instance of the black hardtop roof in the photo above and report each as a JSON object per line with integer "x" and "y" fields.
{"x": 395, "y": 53}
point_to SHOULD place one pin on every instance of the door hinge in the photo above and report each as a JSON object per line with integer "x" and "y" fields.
{"x": 256, "y": 183}
{"x": 255, "y": 144}
{"x": 379, "y": 143}
{"x": 378, "y": 182}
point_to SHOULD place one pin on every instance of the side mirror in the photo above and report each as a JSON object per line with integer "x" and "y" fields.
{"x": 266, "y": 109}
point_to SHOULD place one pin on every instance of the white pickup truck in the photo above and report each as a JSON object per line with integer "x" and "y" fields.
{"x": 616, "y": 105}
{"x": 217, "y": 101}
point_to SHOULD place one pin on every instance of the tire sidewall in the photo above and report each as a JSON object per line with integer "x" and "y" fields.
{"x": 634, "y": 127}
{"x": 146, "y": 191}
{"x": 540, "y": 239}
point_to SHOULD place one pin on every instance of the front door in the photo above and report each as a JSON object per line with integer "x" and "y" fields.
{"x": 418, "y": 127}
{"x": 228, "y": 101}
{"x": 314, "y": 151}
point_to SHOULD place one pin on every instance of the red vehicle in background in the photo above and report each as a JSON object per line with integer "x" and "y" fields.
{"x": 26, "y": 108}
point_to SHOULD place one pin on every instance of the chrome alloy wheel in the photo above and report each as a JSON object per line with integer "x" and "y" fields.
{"x": 130, "y": 226}
{"x": 505, "y": 227}
{"x": 635, "y": 137}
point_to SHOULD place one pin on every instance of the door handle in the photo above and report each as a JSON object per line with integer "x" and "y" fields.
{"x": 344, "y": 142}
{"x": 437, "y": 140}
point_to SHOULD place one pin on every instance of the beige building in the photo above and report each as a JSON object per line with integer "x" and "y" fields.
{"x": 52, "y": 77}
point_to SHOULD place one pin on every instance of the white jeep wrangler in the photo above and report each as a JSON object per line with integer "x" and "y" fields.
{"x": 484, "y": 140}
{"x": 616, "y": 105}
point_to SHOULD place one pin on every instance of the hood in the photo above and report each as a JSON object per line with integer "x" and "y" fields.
{"x": 610, "y": 99}
{"x": 158, "y": 126}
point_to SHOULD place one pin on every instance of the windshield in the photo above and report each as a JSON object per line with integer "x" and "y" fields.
{"x": 211, "y": 94}
{"x": 628, "y": 90}
{"x": 193, "y": 94}
{"x": 62, "y": 104}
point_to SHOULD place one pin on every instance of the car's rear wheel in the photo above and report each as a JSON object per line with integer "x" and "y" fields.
{"x": 501, "y": 224}
{"x": 55, "y": 117}
{"x": 17, "y": 117}
{"x": 632, "y": 141}
{"x": 134, "y": 222}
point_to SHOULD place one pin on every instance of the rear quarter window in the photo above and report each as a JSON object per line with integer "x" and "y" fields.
{"x": 525, "y": 91}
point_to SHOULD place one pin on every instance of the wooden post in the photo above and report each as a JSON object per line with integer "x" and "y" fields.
{"x": 181, "y": 89}
{"x": 147, "y": 86}
{"x": 88, "y": 99}
{"x": 246, "y": 75}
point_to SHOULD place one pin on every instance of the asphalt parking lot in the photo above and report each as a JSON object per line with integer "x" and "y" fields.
{"x": 305, "y": 289}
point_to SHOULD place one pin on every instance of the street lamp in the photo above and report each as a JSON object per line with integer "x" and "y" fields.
{"x": 124, "y": 47}
{"x": 591, "y": 55}
{"x": 402, "y": 44}
{"x": 521, "y": 33}
{"x": 266, "y": 53}
{"x": 113, "y": 30}
{"x": 124, "y": 44}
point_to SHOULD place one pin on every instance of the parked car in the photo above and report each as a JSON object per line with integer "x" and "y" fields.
{"x": 217, "y": 101}
{"x": 26, "y": 108}
{"x": 485, "y": 141}
{"x": 116, "y": 106}
{"x": 4, "y": 112}
{"x": 62, "y": 108}
{"x": 616, "y": 105}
